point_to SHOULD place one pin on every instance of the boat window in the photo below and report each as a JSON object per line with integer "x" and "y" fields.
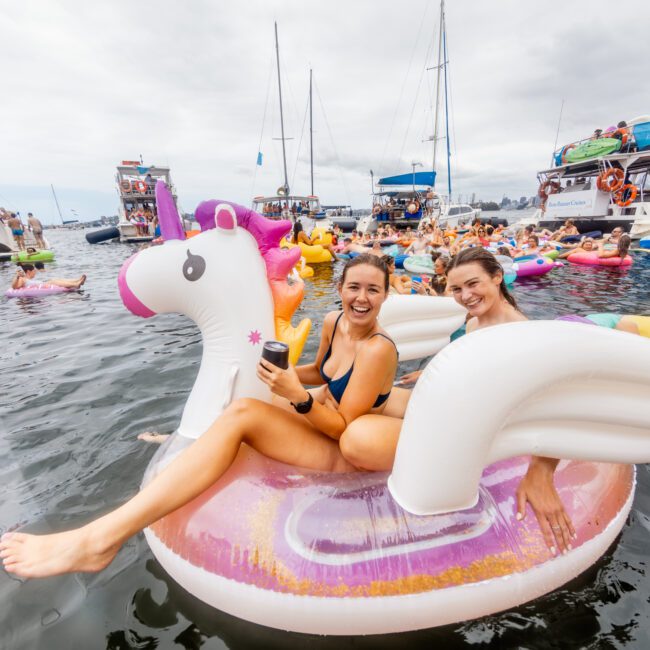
{"x": 453, "y": 211}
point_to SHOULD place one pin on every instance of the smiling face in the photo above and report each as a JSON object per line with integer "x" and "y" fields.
{"x": 439, "y": 266}
{"x": 473, "y": 288}
{"x": 362, "y": 293}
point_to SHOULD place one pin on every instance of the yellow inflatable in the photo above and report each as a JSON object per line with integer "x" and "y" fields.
{"x": 303, "y": 270}
{"x": 642, "y": 322}
{"x": 315, "y": 254}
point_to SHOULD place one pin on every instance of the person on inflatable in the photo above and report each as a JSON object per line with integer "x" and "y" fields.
{"x": 475, "y": 279}
{"x": 621, "y": 250}
{"x": 299, "y": 236}
{"x": 398, "y": 284}
{"x": 25, "y": 278}
{"x": 587, "y": 245}
{"x": 354, "y": 368}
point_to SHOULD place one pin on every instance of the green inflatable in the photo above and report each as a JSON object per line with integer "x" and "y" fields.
{"x": 593, "y": 149}
{"x": 39, "y": 256}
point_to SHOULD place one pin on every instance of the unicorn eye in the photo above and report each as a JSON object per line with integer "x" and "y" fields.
{"x": 194, "y": 267}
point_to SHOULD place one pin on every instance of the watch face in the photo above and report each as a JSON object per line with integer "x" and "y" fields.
{"x": 304, "y": 407}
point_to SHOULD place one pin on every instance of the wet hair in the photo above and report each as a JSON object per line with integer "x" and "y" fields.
{"x": 297, "y": 228}
{"x": 26, "y": 267}
{"x": 488, "y": 263}
{"x": 370, "y": 260}
{"x": 39, "y": 265}
{"x": 623, "y": 245}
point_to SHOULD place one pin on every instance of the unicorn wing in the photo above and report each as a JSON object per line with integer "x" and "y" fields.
{"x": 420, "y": 325}
{"x": 591, "y": 406}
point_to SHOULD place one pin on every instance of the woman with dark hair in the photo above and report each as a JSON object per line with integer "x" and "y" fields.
{"x": 621, "y": 250}
{"x": 299, "y": 236}
{"x": 400, "y": 284}
{"x": 354, "y": 370}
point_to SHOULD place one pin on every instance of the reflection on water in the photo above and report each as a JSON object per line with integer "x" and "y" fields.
{"x": 81, "y": 377}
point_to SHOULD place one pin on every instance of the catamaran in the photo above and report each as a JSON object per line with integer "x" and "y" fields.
{"x": 409, "y": 198}
{"x": 305, "y": 208}
{"x": 599, "y": 182}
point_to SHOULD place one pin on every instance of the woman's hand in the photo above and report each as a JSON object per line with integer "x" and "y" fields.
{"x": 537, "y": 489}
{"x": 409, "y": 377}
{"x": 284, "y": 383}
{"x": 418, "y": 287}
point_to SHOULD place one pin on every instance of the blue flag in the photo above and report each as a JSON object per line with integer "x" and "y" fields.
{"x": 259, "y": 158}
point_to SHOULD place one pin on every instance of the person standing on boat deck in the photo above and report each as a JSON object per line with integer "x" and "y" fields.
{"x": 17, "y": 230}
{"x": 37, "y": 230}
{"x": 151, "y": 184}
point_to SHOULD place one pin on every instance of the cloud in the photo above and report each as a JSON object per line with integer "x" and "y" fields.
{"x": 186, "y": 84}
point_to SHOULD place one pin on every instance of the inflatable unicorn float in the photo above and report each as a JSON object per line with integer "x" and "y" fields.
{"x": 436, "y": 541}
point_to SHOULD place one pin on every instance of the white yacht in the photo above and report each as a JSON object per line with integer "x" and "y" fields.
{"x": 136, "y": 185}
{"x": 599, "y": 183}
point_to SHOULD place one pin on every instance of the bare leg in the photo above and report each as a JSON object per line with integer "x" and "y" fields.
{"x": 278, "y": 434}
{"x": 370, "y": 441}
{"x": 152, "y": 436}
{"x": 68, "y": 284}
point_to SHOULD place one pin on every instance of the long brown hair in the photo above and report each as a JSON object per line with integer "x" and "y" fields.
{"x": 488, "y": 263}
{"x": 370, "y": 260}
{"x": 624, "y": 243}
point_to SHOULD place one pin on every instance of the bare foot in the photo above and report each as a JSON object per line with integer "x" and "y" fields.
{"x": 151, "y": 436}
{"x": 38, "y": 556}
{"x": 82, "y": 281}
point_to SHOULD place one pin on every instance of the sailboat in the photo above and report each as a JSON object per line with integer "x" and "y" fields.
{"x": 283, "y": 204}
{"x": 411, "y": 198}
{"x": 58, "y": 207}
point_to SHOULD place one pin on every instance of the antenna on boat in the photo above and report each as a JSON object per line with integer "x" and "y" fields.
{"x": 557, "y": 134}
{"x": 284, "y": 152}
{"x": 311, "y": 135}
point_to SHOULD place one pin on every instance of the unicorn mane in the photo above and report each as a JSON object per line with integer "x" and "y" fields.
{"x": 279, "y": 262}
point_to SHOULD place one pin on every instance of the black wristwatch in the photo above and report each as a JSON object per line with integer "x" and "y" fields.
{"x": 304, "y": 407}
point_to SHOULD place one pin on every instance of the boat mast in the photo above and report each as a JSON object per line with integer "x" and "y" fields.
{"x": 311, "y": 135}
{"x": 444, "y": 53}
{"x": 57, "y": 204}
{"x": 439, "y": 66}
{"x": 284, "y": 153}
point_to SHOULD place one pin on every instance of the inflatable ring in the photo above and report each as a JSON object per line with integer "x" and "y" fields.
{"x": 612, "y": 180}
{"x": 37, "y": 291}
{"x": 633, "y": 191}
{"x": 592, "y": 259}
{"x": 413, "y": 207}
{"x": 565, "y": 151}
{"x": 125, "y": 184}
{"x": 140, "y": 186}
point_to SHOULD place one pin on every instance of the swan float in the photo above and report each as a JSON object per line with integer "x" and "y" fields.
{"x": 436, "y": 541}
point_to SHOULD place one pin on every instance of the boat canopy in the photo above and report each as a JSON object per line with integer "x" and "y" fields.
{"x": 427, "y": 179}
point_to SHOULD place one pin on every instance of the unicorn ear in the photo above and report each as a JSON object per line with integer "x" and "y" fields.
{"x": 225, "y": 217}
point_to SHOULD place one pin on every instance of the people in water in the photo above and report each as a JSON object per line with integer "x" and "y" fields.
{"x": 299, "y": 236}
{"x": 621, "y": 250}
{"x": 419, "y": 246}
{"x": 587, "y": 245}
{"x": 400, "y": 284}
{"x": 25, "y": 278}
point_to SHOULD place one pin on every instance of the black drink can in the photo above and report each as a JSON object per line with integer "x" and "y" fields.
{"x": 277, "y": 353}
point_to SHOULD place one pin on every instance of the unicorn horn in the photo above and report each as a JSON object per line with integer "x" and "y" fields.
{"x": 168, "y": 217}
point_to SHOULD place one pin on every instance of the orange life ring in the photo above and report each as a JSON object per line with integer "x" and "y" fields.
{"x": 140, "y": 186}
{"x": 621, "y": 194}
{"x": 413, "y": 207}
{"x": 547, "y": 188}
{"x": 125, "y": 184}
{"x": 565, "y": 151}
{"x": 614, "y": 183}
{"x": 623, "y": 133}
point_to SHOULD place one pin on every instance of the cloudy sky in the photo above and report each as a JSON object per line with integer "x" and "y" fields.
{"x": 192, "y": 85}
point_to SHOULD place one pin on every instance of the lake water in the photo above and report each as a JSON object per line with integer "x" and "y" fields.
{"x": 82, "y": 377}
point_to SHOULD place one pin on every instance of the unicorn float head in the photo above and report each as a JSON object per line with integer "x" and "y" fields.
{"x": 231, "y": 280}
